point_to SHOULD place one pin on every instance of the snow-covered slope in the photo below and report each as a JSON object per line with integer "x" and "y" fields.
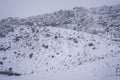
{"x": 64, "y": 45}
{"x": 57, "y": 51}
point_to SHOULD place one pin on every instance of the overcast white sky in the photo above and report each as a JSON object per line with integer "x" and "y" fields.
{"x": 25, "y": 8}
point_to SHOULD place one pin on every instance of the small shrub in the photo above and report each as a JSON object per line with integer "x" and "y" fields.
{"x": 45, "y": 46}
{"x": 90, "y": 44}
{"x": 48, "y": 35}
{"x": 75, "y": 41}
{"x": 2, "y": 48}
{"x": 4, "y": 58}
{"x": 31, "y": 55}
{"x": 9, "y": 73}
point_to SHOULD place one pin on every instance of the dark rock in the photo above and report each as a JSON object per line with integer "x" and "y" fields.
{"x": 31, "y": 55}
{"x": 90, "y": 44}
{"x": 1, "y": 63}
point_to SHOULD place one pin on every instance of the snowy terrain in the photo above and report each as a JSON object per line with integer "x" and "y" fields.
{"x": 34, "y": 51}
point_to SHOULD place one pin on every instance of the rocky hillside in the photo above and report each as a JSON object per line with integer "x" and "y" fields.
{"x": 101, "y": 20}
{"x": 60, "y": 41}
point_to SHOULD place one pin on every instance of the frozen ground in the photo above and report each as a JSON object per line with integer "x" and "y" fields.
{"x": 58, "y": 54}
{"x": 93, "y": 71}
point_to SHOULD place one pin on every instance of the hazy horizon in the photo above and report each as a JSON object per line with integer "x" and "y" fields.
{"x": 26, "y": 8}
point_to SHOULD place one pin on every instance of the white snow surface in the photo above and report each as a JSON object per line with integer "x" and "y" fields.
{"x": 50, "y": 53}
